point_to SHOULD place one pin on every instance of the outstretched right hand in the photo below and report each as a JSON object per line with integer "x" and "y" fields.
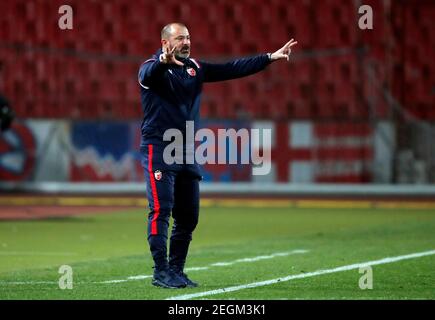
{"x": 284, "y": 52}
{"x": 169, "y": 57}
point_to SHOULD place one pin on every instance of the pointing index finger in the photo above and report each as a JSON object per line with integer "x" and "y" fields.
{"x": 292, "y": 44}
{"x": 289, "y": 42}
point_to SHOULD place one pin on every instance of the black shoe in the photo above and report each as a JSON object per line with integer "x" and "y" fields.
{"x": 183, "y": 276}
{"x": 166, "y": 278}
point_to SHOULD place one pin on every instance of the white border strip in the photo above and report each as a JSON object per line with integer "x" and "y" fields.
{"x": 303, "y": 275}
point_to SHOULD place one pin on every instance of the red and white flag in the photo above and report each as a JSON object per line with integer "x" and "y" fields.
{"x": 305, "y": 152}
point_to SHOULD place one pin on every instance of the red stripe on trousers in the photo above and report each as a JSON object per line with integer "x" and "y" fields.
{"x": 154, "y": 191}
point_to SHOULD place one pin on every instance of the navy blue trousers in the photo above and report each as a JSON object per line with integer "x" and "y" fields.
{"x": 172, "y": 190}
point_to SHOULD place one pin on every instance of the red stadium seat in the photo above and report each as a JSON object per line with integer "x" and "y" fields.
{"x": 91, "y": 70}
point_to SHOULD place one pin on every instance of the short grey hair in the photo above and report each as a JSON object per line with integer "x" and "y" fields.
{"x": 167, "y": 30}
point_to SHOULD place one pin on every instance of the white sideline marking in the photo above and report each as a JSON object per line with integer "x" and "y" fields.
{"x": 196, "y": 268}
{"x": 217, "y": 264}
{"x": 278, "y": 254}
{"x": 141, "y": 277}
{"x": 303, "y": 275}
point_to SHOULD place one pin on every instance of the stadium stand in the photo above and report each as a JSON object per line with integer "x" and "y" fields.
{"x": 90, "y": 71}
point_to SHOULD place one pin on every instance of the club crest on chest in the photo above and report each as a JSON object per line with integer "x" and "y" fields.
{"x": 158, "y": 175}
{"x": 191, "y": 72}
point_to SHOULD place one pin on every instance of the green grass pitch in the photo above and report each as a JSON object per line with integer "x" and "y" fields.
{"x": 234, "y": 246}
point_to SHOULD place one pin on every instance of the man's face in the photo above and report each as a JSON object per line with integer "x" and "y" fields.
{"x": 180, "y": 39}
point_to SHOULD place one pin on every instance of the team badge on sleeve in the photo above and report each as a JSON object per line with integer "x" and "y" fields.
{"x": 158, "y": 175}
{"x": 191, "y": 71}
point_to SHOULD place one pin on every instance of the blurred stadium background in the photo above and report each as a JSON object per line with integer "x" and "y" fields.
{"x": 353, "y": 106}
